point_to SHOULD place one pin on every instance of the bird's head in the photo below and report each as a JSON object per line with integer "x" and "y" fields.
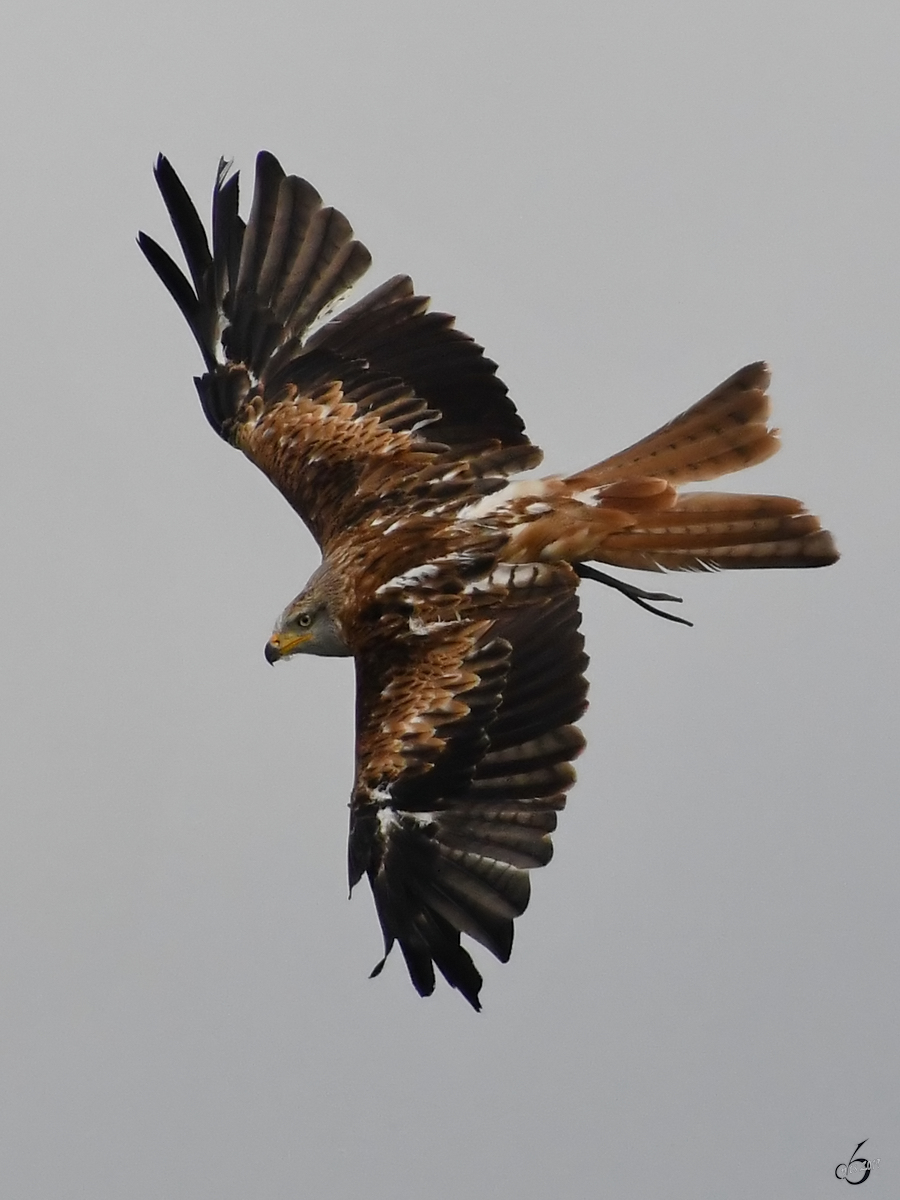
{"x": 308, "y": 625}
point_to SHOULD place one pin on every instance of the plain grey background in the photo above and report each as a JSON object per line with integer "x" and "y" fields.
{"x": 624, "y": 202}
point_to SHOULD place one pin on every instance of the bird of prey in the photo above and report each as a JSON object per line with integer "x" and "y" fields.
{"x": 455, "y": 590}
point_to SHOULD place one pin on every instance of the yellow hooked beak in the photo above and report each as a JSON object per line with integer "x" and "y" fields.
{"x": 281, "y": 645}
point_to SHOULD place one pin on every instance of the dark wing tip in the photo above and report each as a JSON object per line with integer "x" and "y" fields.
{"x": 268, "y": 166}
{"x": 454, "y": 962}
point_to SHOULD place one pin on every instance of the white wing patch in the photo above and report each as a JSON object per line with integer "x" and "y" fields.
{"x": 422, "y": 628}
{"x": 417, "y": 577}
{"x": 388, "y": 819}
{"x": 590, "y": 496}
{"x": 511, "y": 575}
{"x": 531, "y": 488}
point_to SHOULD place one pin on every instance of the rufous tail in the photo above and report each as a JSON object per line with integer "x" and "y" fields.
{"x": 627, "y": 511}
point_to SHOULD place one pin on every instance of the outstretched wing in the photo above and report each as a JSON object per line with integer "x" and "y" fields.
{"x": 465, "y": 738}
{"x": 382, "y": 399}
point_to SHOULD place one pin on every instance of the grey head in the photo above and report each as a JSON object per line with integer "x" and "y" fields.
{"x": 308, "y": 624}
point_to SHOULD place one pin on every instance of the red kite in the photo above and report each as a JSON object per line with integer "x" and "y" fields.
{"x": 455, "y": 591}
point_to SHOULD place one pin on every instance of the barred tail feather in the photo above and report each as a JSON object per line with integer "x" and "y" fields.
{"x": 725, "y": 431}
{"x": 709, "y": 530}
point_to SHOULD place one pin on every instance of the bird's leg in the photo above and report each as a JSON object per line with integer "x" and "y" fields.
{"x": 638, "y": 595}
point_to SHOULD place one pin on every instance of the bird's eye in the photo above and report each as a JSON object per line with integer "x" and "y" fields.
{"x": 304, "y": 620}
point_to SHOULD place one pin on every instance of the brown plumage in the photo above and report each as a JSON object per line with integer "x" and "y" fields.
{"x": 390, "y": 434}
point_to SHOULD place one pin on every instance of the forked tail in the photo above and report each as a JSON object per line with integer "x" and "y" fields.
{"x": 627, "y": 511}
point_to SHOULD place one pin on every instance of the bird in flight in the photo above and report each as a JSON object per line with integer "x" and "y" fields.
{"x": 454, "y": 589}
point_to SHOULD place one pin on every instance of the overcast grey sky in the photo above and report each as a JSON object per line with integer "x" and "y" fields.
{"x": 624, "y": 202}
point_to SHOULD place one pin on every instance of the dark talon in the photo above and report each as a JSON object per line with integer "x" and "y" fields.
{"x": 638, "y": 595}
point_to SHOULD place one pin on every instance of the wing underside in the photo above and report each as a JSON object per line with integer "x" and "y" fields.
{"x": 386, "y": 382}
{"x": 465, "y": 749}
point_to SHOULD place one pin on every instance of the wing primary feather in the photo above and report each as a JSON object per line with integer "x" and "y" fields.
{"x": 228, "y": 234}
{"x": 179, "y": 288}
{"x": 186, "y": 222}
{"x": 297, "y": 201}
{"x": 266, "y": 191}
